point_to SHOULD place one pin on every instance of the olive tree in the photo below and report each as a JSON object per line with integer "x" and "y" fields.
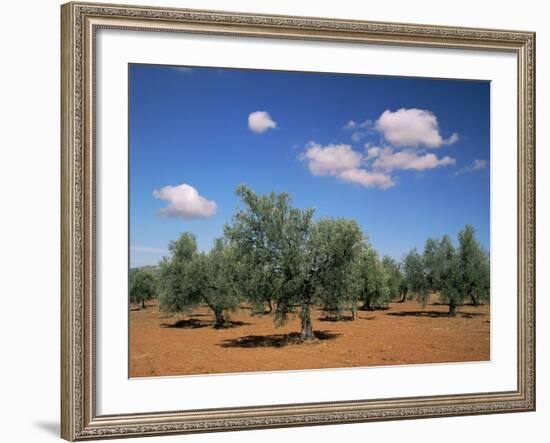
{"x": 178, "y": 292}
{"x": 299, "y": 261}
{"x": 219, "y": 284}
{"x": 468, "y": 272}
{"x": 143, "y": 287}
{"x": 471, "y": 272}
{"x": 482, "y": 289}
{"x": 395, "y": 277}
{"x": 190, "y": 278}
{"x": 333, "y": 249}
{"x": 371, "y": 279}
{"x": 474, "y": 263}
{"x": 403, "y": 290}
{"x": 431, "y": 262}
{"x": 415, "y": 276}
{"x": 437, "y": 260}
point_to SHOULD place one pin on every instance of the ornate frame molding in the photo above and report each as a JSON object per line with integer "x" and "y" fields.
{"x": 80, "y": 21}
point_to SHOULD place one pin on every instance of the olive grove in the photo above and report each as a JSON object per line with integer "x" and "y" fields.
{"x": 281, "y": 261}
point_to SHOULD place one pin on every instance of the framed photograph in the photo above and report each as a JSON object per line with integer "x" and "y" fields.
{"x": 277, "y": 221}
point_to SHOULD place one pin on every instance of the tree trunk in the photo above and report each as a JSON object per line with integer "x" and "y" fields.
{"x": 367, "y": 306}
{"x": 269, "y": 306}
{"x": 474, "y": 300}
{"x": 307, "y": 328}
{"x": 220, "y": 321}
{"x": 142, "y": 303}
{"x": 452, "y": 309}
{"x": 403, "y": 297}
{"x": 354, "y": 313}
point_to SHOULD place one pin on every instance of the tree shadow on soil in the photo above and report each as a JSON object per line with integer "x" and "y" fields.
{"x": 193, "y": 323}
{"x": 337, "y": 319}
{"x": 438, "y": 303}
{"x": 188, "y": 323}
{"x": 432, "y": 314}
{"x": 273, "y": 341}
{"x": 234, "y": 324}
{"x": 346, "y": 318}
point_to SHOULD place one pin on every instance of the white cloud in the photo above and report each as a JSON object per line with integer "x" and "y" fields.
{"x": 476, "y": 165}
{"x": 479, "y": 164}
{"x": 452, "y": 139}
{"x": 388, "y": 160}
{"x": 368, "y": 179}
{"x": 184, "y": 201}
{"x": 373, "y": 152}
{"x": 331, "y": 159}
{"x": 343, "y": 162}
{"x": 260, "y": 121}
{"x": 360, "y": 129}
{"x": 352, "y": 124}
{"x": 412, "y": 128}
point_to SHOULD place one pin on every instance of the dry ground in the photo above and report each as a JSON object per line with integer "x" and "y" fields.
{"x": 405, "y": 333}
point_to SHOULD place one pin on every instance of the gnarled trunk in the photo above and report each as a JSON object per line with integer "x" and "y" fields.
{"x": 354, "y": 313}
{"x": 269, "y": 306}
{"x": 142, "y": 303}
{"x": 452, "y": 309}
{"x": 367, "y": 305}
{"x": 220, "y": 320}
{"x": 403, "y": 297}
{"x": 307, "y": 328}
{"x": 474, "y": 300}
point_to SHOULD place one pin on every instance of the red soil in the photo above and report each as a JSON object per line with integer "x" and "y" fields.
{"x": 405, "y": 333}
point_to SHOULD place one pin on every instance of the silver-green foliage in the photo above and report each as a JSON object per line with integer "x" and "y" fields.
{"x": 438, "y": 255}
{"x": 468, "y": 273}
{"x": 288, "y": 258}
{"x": 458, "y": 274}
{"x": 143, "y": 286}
{"x": 190, "y": 278}
{"x": 371, "y": 279}
{"x": 395, "y": 277}
{"x": 415, "y": 276}
{"x": 334, "y": 246}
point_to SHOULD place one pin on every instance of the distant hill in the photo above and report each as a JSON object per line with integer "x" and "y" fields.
{"x": 153, "y": 269}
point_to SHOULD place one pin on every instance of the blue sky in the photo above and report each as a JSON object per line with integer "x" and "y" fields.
{"x": 407, "y": 158}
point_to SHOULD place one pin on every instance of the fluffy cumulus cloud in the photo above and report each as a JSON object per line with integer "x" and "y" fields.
{"x": 260, "y": 121}
{"x": 331, "y": 159}
{"x": 368, "y": 179}
{"x": 343, "y": 162}
{"x": 184, "y": 201}
{"x": 406, "y": 137}
{"x": 388, "y": 160}
{"x": 412, "y": 128}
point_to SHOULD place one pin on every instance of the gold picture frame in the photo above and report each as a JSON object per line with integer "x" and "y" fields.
{"x": 79, "y": 22}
